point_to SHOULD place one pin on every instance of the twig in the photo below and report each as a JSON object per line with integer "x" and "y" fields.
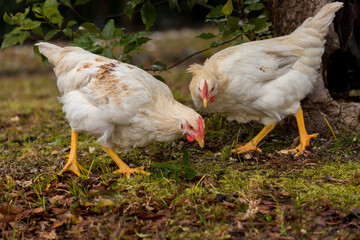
{"x": 328, "y": 178}
{"x": 193, "y": 54}
{"x": 77, "y": 13}
{"x": 294, "y": 176}
{"x": 204, "y": 4}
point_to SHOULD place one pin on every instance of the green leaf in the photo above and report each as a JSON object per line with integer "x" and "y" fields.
{"x": 109, "y": 29}
{"x": 233, "y": 23}
{"x": 165, "y": 165}
{"x": 71, "y": 23}
{"x": 81, "y": 2}
{"x": 148, "y": 14}
{"x": 142, "y": 235}
{"x": 206, "y": 36}
{"x": 159, "y": 66}
{"x": 216, "y": 43}
{"x": 127, "y": 58}
{"x": 38, "y": 31}
{"x": 130, "y": 47}
{"x": 86, "y": 40}
{"x": 237, "y": 42}
{"x": 161, "y": 79}
{"x": 132, "y": 37}
{"x": 22, "y": 36}
{"x": 107, "y": 52}
{"x": 27, "y": 10}
{"x": 28, "y": 24}
{"x": 247, "y": 27}
{"x": 68, "y": 32}
{"x": 141, "y": 40}
{"x": 185, "y": 157}
{"x": 115, "y": 43}
{"x": 119, "y": 32}
{"x": 66, "y": 3}
{"x": 254, "y": 7}
{"x": 251, "y": 1}
{"x": 129, "y": 10}
{"x": 190, "y": 3}
{"x": 228, "y": 8}
{"x": 174, "y": 4}
{"x": 134, "y": 3}
{"x": 9, "y": 20}
{"x": 91, "y": 28}
{"x": 14, "y": 37}
{"x": 9, "y": 40}
{"x": 190, "y": 173}
{"x": 51, "y": 3}
{"x": 216, "y": 12}
{"x": 53, "y": 15}
{"x": 135, "y": 45}
{"x": 50, "y": 34}
{"x": 260, "y": 23}
{"x": 38, "y": 10}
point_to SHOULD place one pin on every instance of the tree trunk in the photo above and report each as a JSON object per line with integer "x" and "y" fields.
{"x": 343, "y": 39}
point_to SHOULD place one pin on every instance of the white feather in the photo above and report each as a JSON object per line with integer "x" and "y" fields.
{"x": 265, "y": 80}
{"x": 118, "y": 103}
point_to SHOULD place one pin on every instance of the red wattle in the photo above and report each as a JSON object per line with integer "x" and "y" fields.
{"x": 212, "y": 99}
{"x": 190, "y": 138}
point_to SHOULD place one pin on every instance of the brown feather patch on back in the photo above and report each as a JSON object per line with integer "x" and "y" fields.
{"x": 107, "y": 84}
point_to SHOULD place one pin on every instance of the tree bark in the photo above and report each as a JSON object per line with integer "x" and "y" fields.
{"x": 319, "y": 106}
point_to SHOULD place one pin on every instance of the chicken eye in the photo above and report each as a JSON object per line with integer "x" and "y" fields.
{"x": 191, "y": 127}
{"x": 212, "y": 89}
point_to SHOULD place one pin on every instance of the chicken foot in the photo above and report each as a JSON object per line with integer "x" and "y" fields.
{"x": 252, "y": 144}
{"x": 72, "y": 163}
{"x": 124, "y": 168}
{"x": 304, "y": 137}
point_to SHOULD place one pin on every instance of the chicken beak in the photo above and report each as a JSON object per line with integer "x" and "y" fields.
{"x": 200, "y": 141}
{"x": 205, "y": 101}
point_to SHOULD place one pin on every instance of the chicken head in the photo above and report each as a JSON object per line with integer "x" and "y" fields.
{"x": 194, "y": 130}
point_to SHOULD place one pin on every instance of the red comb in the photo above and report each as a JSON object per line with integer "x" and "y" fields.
{"x": 201, "y": 128}
{"x": 205, "y": 90}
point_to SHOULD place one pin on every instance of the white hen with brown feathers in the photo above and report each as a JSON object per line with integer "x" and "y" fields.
{"x": 264, "y": 81}
{"x": 118, "y": 103}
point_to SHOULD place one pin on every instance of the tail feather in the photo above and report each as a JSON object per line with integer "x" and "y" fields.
{"x": 50, "y": 51}
{"x": 322, "y": 20}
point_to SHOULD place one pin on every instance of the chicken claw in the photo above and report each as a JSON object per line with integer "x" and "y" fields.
{"x": 304, "y": 142}
{"x": 129, "y": 171}
{"x": 124, "y": 168}
{"x": 73, "y": 166}
{"x": 304, "y": 137}
{"x": 252, "y": 145}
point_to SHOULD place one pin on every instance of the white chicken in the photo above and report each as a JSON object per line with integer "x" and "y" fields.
{"x": 264, "y": 81}
{"x": 118, "y": 103}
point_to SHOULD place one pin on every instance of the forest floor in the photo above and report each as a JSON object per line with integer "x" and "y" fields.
{"x": 191, "y": 193}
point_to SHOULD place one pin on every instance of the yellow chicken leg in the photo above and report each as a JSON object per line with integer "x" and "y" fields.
{"x": 124, "y": 168}
{"x": 72, "y": 163}
{"x": 252, "y": 145}
{"x": 304, "y": 137}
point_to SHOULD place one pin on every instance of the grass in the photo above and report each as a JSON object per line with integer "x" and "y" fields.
{"x": 192, "y": 193}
